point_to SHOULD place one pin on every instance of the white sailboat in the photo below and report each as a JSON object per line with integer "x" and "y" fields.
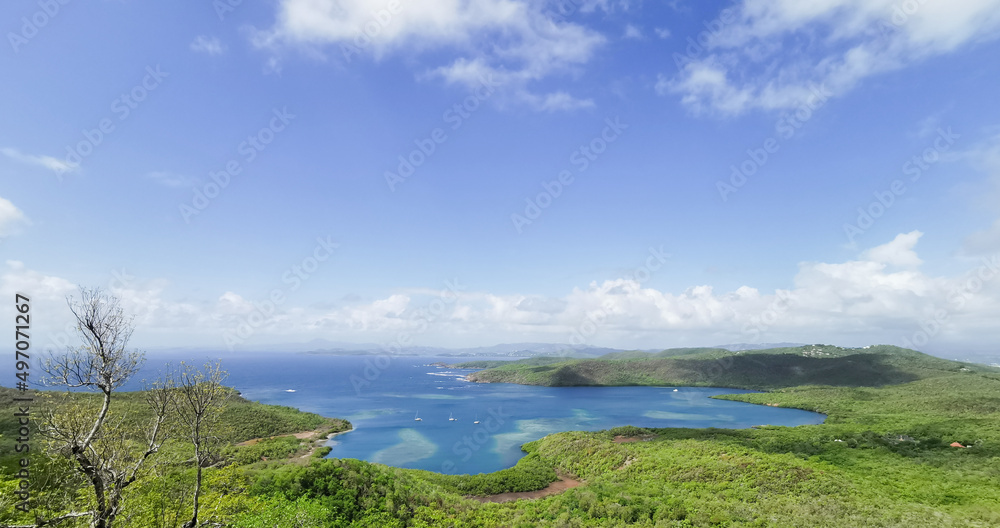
{"x": 417, "y": 418}
{"x": 477, "y": 419}
{"x": 451, "y": 418}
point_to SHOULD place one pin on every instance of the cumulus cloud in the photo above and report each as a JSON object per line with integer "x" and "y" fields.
{"x": 515, "y": 42}
{"x": 157, "y": 319}
{"x": 898, "y": 253}
{"x": 11, "y": 218}
{"x": 881, "y": 296}
{"x": 17, "y": 278}
{"x": 47, "y": 293}
{"x": 768, "y": 54}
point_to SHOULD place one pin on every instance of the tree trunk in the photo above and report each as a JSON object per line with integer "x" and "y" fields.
{"x": 197, "y": 486}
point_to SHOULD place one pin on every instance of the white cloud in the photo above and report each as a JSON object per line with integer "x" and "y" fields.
{"x": 897, "y": 253}
{"x": 557, "y": 101}
{"x": 47, "y": 294}
{"x": 882, "y": 296}
{"x": 56, "y": 165}
{"x": 157, "y": 320}
{"x": 706, "y": 80}
{"x": 514, "y": 41}
{"x": 39, "y": 286}
{"x": 985, "y": 157}
{"x": 156, "y": 315}
{"x": 231, "y": 303}
{"x": 10, "y": 217}
{"x": 632, "y": 32}
{"x": 772, "y": 51}
{"x": 208, "y": 45}
{"x": 170, "y": 179}
{"x": 663, "y": 33}
{"x": 984, "y": 242}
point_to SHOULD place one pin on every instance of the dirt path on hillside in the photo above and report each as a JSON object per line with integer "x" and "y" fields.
{"x": 559, "y": 486}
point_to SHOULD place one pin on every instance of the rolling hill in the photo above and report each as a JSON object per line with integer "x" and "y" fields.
{"x": 765, "y": 369}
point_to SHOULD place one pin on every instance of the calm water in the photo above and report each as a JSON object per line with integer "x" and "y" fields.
{"x": 381, "y": 400}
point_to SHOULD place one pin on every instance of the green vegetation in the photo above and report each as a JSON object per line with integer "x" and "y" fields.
{"x": 248, "y": 419}
{"x": 882, "y": 458}
{"x": 758, "y": 369}
{"x": 494, "y": 363}
{"x": 530, "y": 474}
{"x": 242, "y": 419}
{"x": 252, "y": 432}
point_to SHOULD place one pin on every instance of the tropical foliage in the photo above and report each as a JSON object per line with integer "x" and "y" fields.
{"x": 883, "y": 458}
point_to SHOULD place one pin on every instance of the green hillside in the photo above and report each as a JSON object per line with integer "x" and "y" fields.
{"x": 883, "y": 457}
{"x": 755, "y": 369}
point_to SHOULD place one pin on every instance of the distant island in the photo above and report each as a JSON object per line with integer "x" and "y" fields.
{"x": 513, "y": 350}
{"x": 763, "y": 369}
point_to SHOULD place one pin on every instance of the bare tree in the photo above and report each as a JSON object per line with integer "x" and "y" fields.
{"x": 200, "y": 398}
{"x": 109, "y": 450}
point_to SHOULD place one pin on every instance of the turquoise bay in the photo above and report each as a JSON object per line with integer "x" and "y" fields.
{"x": 383, "y": 396}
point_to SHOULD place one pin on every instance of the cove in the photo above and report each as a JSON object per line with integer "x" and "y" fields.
{"x": 447, "y": 437}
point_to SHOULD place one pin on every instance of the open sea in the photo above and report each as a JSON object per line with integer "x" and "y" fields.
{"x": 382, "y": 397}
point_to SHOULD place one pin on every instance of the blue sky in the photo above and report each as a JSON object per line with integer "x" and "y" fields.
{"x": 122, "y": 118}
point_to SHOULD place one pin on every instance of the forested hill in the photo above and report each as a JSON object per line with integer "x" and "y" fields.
{"x": 752, "y": 369}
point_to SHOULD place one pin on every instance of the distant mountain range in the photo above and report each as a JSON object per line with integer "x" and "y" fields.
{"x": 737, "y": 347}
{"x": 501, "y": 350}
{"x": 320, "y": 346}
{"x": 343, "y": 348}
{"x": 514, "y": 350}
